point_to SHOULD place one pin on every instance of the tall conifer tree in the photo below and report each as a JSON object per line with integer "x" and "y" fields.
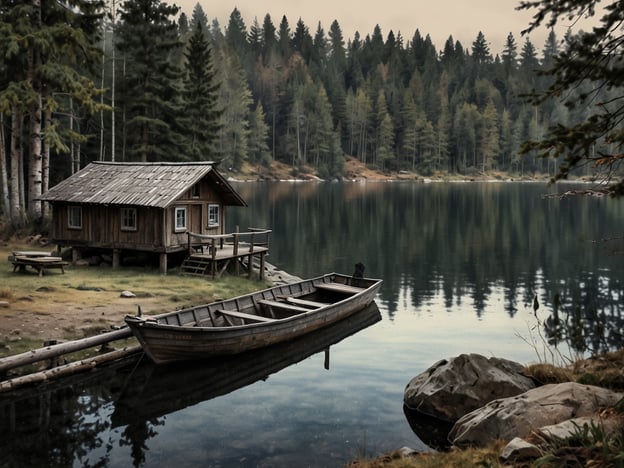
{"x": 200, "y": 115}
{"x": 147, "y": 37}
{"x": 49, "y": 51}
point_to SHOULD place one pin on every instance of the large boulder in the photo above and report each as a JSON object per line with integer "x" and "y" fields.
{"x": 454, "y": 387}
{"x": 517, "y": 416}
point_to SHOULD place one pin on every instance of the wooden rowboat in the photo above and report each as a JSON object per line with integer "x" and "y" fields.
{"x": 252, "y": 321}
{"x": 154, "y": 390}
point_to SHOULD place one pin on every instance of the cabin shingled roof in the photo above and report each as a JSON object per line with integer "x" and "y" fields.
{"x": 155, "y": 185}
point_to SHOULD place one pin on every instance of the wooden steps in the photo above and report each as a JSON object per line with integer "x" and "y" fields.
{"x": 197, "y": 266}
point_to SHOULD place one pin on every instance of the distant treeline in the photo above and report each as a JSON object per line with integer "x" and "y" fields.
{"x": 147, "y": 82}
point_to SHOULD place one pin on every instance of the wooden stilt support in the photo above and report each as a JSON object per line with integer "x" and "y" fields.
{"x": 116, "y": 258}
{"x": 262, "y": 265}
{"x": 163, "y": 263}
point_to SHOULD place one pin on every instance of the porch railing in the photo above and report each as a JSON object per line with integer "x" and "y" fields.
{"x": 242, "y": 243}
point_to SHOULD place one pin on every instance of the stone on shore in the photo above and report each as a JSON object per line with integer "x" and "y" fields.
{"x": 518, "y": 416}
{"x": 519, "y": 450}
{"x": 453, "y": 387}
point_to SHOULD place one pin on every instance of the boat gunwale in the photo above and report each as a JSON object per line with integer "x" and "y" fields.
{"x": 153, "y": 321}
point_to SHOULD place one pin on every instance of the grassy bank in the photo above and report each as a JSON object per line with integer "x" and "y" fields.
{"x": 86, "y": 300}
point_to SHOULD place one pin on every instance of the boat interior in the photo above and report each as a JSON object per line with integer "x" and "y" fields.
{"x": 265, "y": 306}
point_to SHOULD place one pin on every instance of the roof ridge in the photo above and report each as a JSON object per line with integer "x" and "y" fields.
{"x": 166, "y": 163}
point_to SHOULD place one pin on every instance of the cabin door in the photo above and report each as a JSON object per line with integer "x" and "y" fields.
{"x": 196, "y": 219}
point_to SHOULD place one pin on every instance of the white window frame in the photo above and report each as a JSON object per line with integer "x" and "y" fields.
{"x": 74, "y": 213}
{"x": 180, "y": 227}
{"x": 213, "y": 221}
{"x": 129, "y": 221}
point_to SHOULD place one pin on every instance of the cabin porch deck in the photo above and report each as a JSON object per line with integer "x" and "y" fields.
{"x": 212, "y": 255}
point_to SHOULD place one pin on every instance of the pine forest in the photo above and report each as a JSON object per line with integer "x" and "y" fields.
{"x": 140, "y": 80}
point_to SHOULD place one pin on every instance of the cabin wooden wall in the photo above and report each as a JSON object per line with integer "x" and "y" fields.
{"x": 101, "y": 225}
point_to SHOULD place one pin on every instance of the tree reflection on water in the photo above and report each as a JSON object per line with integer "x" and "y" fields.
{"x": 69, "y": 423}
{"x": 586, "y": 318}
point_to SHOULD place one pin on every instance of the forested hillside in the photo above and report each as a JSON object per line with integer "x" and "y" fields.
{"x": 140, "y": 80}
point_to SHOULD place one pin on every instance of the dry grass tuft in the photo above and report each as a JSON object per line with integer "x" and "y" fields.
{"x": 7, "y": 294}
{"x": 464, "y": 458}
{"x": 548, "y": 374}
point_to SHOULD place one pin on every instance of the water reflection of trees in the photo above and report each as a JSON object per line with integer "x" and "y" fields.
{"x": 459, "y": 242}
{"x": 587, "y": 316}
{"x": 67, "y": 426}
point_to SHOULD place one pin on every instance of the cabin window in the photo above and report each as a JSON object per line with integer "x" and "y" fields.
{"x": 213, "y": 215}
{"x": 180, "y": 219}
{"x": 128, "y": 219}
{"x": 195, "y": 191}
{"x": 74, "y": 217}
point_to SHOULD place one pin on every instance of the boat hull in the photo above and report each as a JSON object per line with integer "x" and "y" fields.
{"x": 154, "y": 390}
{"x": 175, "y": 336}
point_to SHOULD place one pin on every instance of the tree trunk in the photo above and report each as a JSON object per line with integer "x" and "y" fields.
{"x": 113, "y": 14}
{"x": 102, "y": 84}
{"x": 16, "y": 210}
{"x": 34, "y": 159}
{"x": 35, "y": 164}
{"x": 4, "y": 180}
{"x": 45, "y": 163}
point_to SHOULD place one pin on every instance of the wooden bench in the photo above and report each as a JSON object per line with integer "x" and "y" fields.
{"x": 339, "y": 287}
{"x": 243, "y": 315}
{"x": 38, "y": 263}
{"x": 283, "y": 305}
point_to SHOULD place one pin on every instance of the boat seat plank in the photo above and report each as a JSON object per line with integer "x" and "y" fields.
{"x": 243, "y": 315}
{"x": 283, "y": 305}
{"x": 207, "y": 322}
{"x": 305, "y": 302}
{"x": 338, "y": 287}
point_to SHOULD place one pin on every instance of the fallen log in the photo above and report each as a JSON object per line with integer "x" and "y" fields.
{"x": 49, "y": 352}
{"x": 67, "y": 369}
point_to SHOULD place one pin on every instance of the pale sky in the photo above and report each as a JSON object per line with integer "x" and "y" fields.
{"x": 463, "y": 19}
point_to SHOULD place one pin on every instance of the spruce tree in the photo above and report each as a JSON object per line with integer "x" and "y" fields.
{"x": 335, "y": 79}
{"x": 236, "y": 34}
{"x": 259, "y": 133}
{"x": 481, "y": 50}
{"x": 510, "y": 55}
{"x": 255, "y": 40}
{"x": 146, "y": 38}
{"x": 200, "y": 116}
{"x": 284, "y": 39}
{"x": 529, "y": 64}
{"x": 269, "y": 40}
{"x": 235, "y": 99}
{"x": 199, "y": 16}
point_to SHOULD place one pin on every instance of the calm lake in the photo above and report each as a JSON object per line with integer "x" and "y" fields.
{"x": 461, "y": 264}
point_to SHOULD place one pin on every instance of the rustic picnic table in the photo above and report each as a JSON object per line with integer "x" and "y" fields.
{"x": 39, "y": 261}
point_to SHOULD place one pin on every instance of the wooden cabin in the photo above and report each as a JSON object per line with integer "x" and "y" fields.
{"x": 149, "y": 207}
